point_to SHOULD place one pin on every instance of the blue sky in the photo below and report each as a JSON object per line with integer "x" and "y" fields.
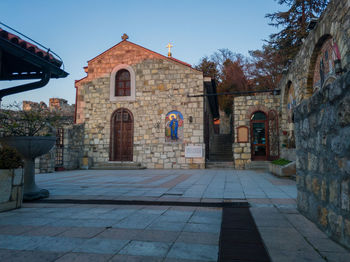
{"x": 80, "y": 30}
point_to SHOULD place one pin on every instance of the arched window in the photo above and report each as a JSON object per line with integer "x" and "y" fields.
{"x": 122, "y": 83}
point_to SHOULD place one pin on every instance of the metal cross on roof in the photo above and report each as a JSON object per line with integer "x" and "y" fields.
{"x": 169, "y": 46}
{"x": 125, "y": 36}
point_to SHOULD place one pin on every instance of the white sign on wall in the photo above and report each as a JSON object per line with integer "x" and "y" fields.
{"x": 193, "y": 151}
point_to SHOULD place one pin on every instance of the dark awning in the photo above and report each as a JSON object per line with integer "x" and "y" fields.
{"x": 20, "y": 60}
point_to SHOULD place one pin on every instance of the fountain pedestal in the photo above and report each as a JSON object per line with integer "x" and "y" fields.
{"x": 30, "y": 147}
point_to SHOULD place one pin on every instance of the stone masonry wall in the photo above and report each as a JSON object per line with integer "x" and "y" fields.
{"x": 46, "y": 163}
{"x": 73, "y": 149}
{"x": 333, "y": 22}
{"x": 225, "y": 123}
{"x": 322, "y": 126}
{"x": 243, "y": 107}
{"x": 162, "y": 85}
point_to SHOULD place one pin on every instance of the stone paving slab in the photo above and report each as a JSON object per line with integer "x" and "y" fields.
{"x": 159, "y": 184}
{"x": 94, "y": 232}
{"x": 80, "y": 241}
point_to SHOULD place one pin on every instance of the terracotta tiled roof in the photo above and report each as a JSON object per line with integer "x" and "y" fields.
{"x": 179, "y": 61}
{"x": 164, "y": 57}
{"x": 29, "y": 47}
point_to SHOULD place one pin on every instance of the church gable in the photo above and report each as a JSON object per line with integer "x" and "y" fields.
{"x": 126, "y": 53}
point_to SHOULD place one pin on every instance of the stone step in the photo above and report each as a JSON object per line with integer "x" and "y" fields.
{"x": 220, "y": 158}
{"x": 221, "y": 149}
{"x": 223, "y": 141}
{"x": 117, "y": 166}
{"x": 222, "y": 138}
{"x": 261, "y": 165}
{"x": 219, "y": 165}
{"x": 223, "y": 154}
{"x": 228, "y": 136}
{"x": 222, "y": 144}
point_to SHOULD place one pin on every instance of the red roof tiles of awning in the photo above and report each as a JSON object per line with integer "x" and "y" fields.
{"x": 29, "y": 47}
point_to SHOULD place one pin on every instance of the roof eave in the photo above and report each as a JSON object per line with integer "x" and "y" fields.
{"x": 31, "y": 58}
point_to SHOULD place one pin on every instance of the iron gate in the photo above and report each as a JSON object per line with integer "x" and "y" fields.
{"x": 59, "y": 148}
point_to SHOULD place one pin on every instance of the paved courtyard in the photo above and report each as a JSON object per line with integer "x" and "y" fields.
{"x": 167, "y": 233}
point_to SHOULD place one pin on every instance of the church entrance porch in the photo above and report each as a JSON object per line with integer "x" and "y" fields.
{"x": 122, "y": 135}
{"x": 256, "y": 130}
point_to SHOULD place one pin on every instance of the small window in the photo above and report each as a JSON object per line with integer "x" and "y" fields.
{"x": 122, "y": 83}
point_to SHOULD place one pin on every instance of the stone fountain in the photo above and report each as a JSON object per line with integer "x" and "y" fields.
{"x": 30, "y": 147}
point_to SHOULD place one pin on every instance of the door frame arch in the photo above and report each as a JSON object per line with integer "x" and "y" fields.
{"x": 266, "y": 145}
{"x": 113, "y": 139}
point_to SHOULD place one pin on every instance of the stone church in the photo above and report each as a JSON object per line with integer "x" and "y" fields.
{"x": 135, "y": 108}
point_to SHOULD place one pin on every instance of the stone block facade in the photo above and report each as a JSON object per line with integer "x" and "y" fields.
{"x": 315, "y": 106}
{"x": 322, "y": 127}
{"x": 243, "y": 108}
{"x": 302, "y": 77}
{"x": 161, "y": 86}
{"x": 11, "y": 189}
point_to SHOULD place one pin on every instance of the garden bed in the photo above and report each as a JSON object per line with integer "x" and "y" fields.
{"x": 282, "y": 168}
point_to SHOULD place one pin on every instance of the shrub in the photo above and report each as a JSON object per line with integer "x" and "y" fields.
{"x": 281, "y": 162}
{"x": 34, "y": 122}
{"x": 9, "y": 158}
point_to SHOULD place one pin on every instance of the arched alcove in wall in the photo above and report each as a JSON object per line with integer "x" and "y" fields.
{"x": 324, "y": 64}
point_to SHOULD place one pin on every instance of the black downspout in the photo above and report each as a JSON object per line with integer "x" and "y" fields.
{"x": 26, "y": 87}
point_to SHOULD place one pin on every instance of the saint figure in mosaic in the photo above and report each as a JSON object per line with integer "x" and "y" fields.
{"x": 174, "y": 126}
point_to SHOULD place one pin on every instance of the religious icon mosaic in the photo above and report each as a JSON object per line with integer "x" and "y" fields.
{"x": 291, "y": 103}
{"x": 326, "y": 63}
{"x": 174, "y": 125}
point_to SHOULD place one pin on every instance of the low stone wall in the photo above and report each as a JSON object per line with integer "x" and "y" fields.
{"x": 46, "y": 163}
{"x": 11, "y": 189}
{"x": 322, "y": 128}
{"x": 73, "y": 146}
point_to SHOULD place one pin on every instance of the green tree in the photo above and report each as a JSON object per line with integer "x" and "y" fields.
{"x": 265, "y": 68}
{"x": 233, "y": 79}
{"x": 229, "y": 70}
{"x": 294, "y": 23}
{"x": 208, "y": 67}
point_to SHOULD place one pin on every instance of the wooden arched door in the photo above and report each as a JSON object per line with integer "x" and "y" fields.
{"x": 259, "y": 136}
{"x": 122, "y": 135}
